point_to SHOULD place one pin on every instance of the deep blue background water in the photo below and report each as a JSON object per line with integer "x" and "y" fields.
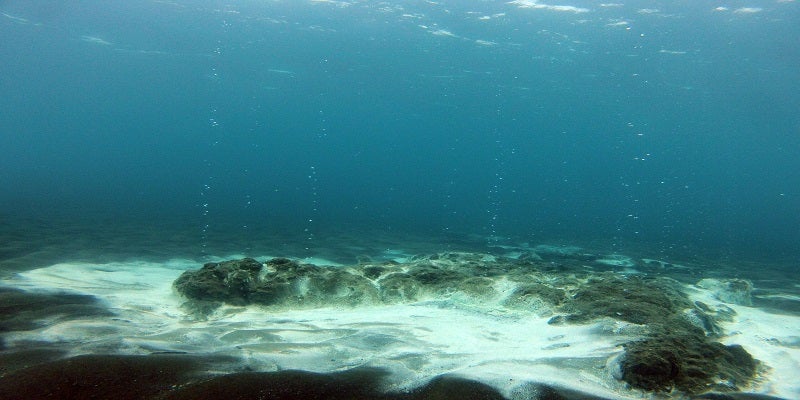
{"x": 667, "y": 123}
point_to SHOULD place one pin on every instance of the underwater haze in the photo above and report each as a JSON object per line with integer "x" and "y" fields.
{"x": 366, "y": 199}
{"x": 674, "y": 124}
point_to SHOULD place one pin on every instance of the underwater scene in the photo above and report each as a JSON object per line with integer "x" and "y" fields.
{"x": 358, "y": 199}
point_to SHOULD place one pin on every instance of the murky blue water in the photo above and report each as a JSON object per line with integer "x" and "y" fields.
{"x": 671, "y": 125}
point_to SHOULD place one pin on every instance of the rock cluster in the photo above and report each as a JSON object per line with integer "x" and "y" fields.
{"x": 686, "y": 361}
{"x": 678, "y": 350}
{"x": 281, "y": 281}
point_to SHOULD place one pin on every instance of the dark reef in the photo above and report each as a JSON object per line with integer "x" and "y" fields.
{"x": 677, "y": 351}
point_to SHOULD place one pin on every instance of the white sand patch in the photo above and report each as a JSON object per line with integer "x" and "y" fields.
{"x": 773, "y": 339}
{"x": 119, "y": 284}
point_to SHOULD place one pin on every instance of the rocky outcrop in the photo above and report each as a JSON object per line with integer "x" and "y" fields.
{"x": 639, "y": 300}
{"x": 281, "y": 281}
{"x": 677, "y": 351}
{"x": 278, "y": 281}
{"x": 686, "y": 361}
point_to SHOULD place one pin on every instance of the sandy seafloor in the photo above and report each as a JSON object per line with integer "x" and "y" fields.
{"x": 134, "y": 310}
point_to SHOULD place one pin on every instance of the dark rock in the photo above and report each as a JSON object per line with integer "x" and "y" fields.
{"x": 431, "y": 275}
{"x": 339, "y": 287}
{"x": 704, "y": 321}
{"x": 373, "y": 271}
{"x": 229, "y": 281}
{"x": 528, "y": 295}
{"x": 677, "y": 353}
{"x": 282, "y": 281}
{"x": 278, "y": 281}
{"x": 632, "y": 299}
{"x": 688, "y": 363}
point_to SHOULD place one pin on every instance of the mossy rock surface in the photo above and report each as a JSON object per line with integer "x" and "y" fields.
{"x": 229, "y": 281}
{"x": 281, "y": 281}
{"x": 535, "y": 294}
{"x": 687, "y": 363}
{"x": 632, "y": 299}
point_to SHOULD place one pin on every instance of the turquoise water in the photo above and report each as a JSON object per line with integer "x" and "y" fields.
{"x": 591, "y": 143}
{"x": 669, "y": 124}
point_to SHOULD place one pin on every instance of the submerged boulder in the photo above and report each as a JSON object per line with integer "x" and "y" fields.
{"x": 281, "y": 281}
{"x": 229, "y": 281}
{"x": 632, "y": 299}
{"x": 678, "y": 351}
{"x": 278, "y": 281}
{"x": 536, "y": 296}
{"x": 687, "y": 362}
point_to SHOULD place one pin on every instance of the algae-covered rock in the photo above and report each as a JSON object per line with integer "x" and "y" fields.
{"x": 675, "y": 349}
{"x": 339, "y": 287}
{"x": 688, "y": 363}
{"x": 477, "y": 287}
{"x": 431, "y": 275}
{"x": 632, "y": 299}
{"x": 229, "y": 281}
{"x": 678, "y": 351}
{"x": 535, "y": 296}
{"x": 399, "y": 287}
{"x": 708, "y": 318}
{"x": 281, "y": 281}
{"x": 278, "y": 281}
